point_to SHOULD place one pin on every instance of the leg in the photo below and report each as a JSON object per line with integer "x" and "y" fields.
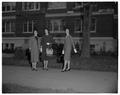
{"x": 46, "y": 64}
{"x": 65, "y": 63}
{"x": 68, "y": 66}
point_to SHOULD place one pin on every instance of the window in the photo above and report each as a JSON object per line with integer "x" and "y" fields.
{"x": 56, "y": 25}
{"x": 29, "y": 6}
{"x": 28, "y": 26}
{"x": 78, "y": 4}
{"x": 8, "y": 7}
{"x": 8, "y": 26}
{"x": 13, "y": 27}
{"x": 56, "y": 5}
{"x": 78, "y": 25}
{"x": 3, "y": 26}
{"x": 92, "y": 48}
{"x": 93, "y": 25}
{"x": 11, "y": 46}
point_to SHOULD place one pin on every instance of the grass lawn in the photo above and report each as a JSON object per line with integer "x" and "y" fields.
{"x": 98, "y": 63}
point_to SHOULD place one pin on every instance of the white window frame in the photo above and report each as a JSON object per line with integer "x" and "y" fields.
{"x": 95, "y": 25}
{"x": 28, "y": 27}
{"x": 10, "y": 8}
{"x": 59, "y": 31}
{"x": 10, "y": 32}
{"x": 34, "y": 9}
{"x": 49, "y": 8}
{"x": 81, "y": 27}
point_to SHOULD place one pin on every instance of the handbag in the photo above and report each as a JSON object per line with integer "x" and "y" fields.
{"x": 49, "y": 51}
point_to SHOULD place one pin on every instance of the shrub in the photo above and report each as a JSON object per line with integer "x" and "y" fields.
{"x": 19, "y": 53}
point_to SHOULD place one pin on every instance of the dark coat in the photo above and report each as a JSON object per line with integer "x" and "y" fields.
{"x": 46, "y": 39}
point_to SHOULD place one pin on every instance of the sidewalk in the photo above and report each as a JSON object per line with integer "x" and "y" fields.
{"x": 75, "y": 80}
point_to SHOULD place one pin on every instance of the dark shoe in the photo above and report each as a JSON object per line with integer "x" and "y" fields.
{"x": 68, "y": 70}
{"x": 63, "y": 70}
{"x": 36, "y": 69}
{"x": 33, "y": 69}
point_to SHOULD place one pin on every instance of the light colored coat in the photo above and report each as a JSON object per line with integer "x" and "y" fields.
{"x": 68, "y": 44}
{"x": 35, "y": 49}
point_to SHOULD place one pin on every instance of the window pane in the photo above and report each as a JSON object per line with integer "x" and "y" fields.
{"x": 11, "y": 46}
{"x": 30, "y": 26}
{"x": 25, "y": 27}
{"x": 25, "y": 5}
{"x": 8, "y": 7}
{"x": 3, "y": 26}
{"x": 8, "y": 27}
{"x": 78, "y": 4}
{"x": 93, "y": 24}
{"x": 62, "y": 25}
{"x": 56, "y": 26}
{"x": 37, "y": 5}
{"x": 12, "y": 27}
{"x": 78, "y": 25}
{"x": 31, "y": 5}
{"x": 3, "y": 8}
{"x": 49, "y": 25}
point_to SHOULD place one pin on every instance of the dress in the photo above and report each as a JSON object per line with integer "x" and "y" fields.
{"x": 46, "y": 39}
{"x": 68, "y": 43}
{"x": 34, "y": 45}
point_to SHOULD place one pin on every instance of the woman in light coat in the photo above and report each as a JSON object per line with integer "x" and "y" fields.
{"x": 34, "y": 47}
{"x": 68, "y": 44}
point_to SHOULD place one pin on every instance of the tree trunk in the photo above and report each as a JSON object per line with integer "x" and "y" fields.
{"x": 86, "y": 31}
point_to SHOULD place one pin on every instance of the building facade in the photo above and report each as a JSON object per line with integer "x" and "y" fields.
{"x": 20, "y": 18}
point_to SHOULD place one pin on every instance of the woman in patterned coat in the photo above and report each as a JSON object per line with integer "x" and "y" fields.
{"x": 68, "y": 44}
{"x": 34, "y": 47}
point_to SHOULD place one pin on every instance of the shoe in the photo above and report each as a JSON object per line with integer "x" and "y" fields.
{"x": 63, "y": 70}
{"x": 68, "y": 69}
{"x": 36, "y": 69}
{"x": 33, "y": 69}
{"x": 46, "y": 69}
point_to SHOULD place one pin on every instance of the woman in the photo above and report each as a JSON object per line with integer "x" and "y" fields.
{"x": 46, "y": 43}
{"x": 68, "y": 44}
{"x": 35, "y": 50}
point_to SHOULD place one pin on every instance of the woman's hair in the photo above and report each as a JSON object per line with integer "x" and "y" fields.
{"x": 47, "y": 30}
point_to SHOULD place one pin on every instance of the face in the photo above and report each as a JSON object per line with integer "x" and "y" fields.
{"x": 35, "y": 33}
{"x": 46, "y": 32}
{"x": 67, "y": 31}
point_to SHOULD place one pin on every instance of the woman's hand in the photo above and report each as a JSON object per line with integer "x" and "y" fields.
{"x": 62, "y": 51}
{"x": 75, "y": 50}
{"x": 48, "y": 43}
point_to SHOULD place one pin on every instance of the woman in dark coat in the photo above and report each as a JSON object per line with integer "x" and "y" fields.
{"x": 34, "y": 47}
{"x": 46, "y": 43}
{"x": 68, "y": 44}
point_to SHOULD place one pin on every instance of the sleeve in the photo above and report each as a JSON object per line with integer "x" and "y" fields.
{"x": 39, "y": 42}
{"x": 72, "y": 42}
{"x": 30, "y": 41}
{"x": 42, "y": 41}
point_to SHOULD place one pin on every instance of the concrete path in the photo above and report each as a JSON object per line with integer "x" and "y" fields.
{"x": 75, "y": 80}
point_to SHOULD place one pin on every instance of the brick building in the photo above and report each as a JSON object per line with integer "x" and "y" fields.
{"x": 20, "y": 18}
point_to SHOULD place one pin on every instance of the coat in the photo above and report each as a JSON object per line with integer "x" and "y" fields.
{"x": 68, "y": 44}
{"x": 46, "y": 39}
{"x": 34, "y": 46}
